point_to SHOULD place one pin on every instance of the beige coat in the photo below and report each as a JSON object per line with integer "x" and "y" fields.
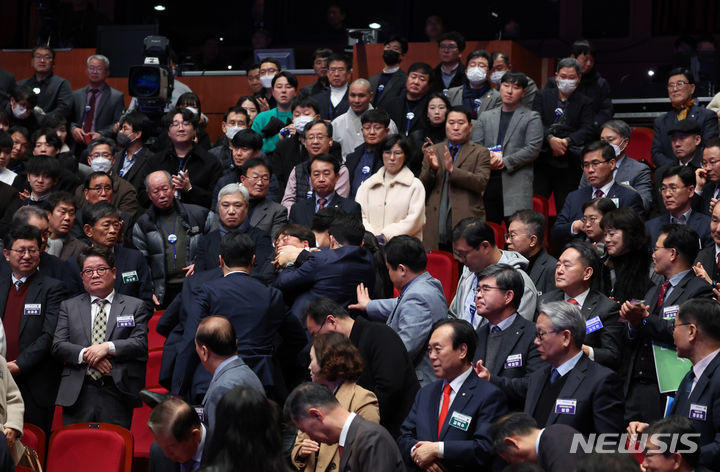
{"x": 392, "y": 205}
{"x": 353, "y": 398}
{"x": 12, "y": 407}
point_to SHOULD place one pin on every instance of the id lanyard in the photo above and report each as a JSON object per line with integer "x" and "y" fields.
{"x": 172, "y": 237}
{"x": 409, "y": 116}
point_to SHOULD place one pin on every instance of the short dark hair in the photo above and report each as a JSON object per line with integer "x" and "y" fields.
{"x": 676, "y": 424}
{"x": 516, "y": 78}
{"x": 255, "y": 162}
{"x": 321, "y": 52}
{"x": 568, "y": 62}
{"x": 712, "y": 142}
{"x": 219, "y": 337}
{"x": 21, "y": 232}
{"x": 51, "y": 137}
{"x": 56, "y": 198}
{"x": 247, "y": 138}
{"x": 94, "y": 175}
{"x": 324, "y": 218}
{"x": 97, "y": 251}
{"x": 308, "y": 395}
{"x": 581, "y": 46}
{"x": 683, "y": 239}
{"x": 305, "y": 101}
{"x": 681, "y": 71}
{"x": 320, "y": 308}
{"x": 43, "y": 165}
{"x": 6, "y": 141}
{"x": 303, "y": 233}
{"x": 686, "y": 174}
{"x": 329, "y": 158}
{"x": 512, "y": 424}
{"x": 237, "y": 249}
{"x": 24, "y": 93}
{"x": 453, "y": 36}
{"x": 459, "y": 109}
{"x": 403, "y": 142}
{"x": 175, "y": 417}
{"x": 341, "y": 57}
{"x": 292, "y": 80}
{"x": 533, "y": 220}
{"x": 237, "y": 109}
{"x": 375, "y": 115}
{"x": 423, "y": 68}
{"x": 138, "y": 121}
{"x": 480, "y": 53}
{"x": 54, "y": 120}
{"x": 705, "y": 313}
{"x": 93, "y": 213}
{"x": 408, "y": 251}
{"x": 463, "y": 333}
{"x": 347, "y": 230}
{"x": 506, "y": 278}
{"x": 271, "y": 60}
{"x": 328, "y": 127}
{"x": 588, "y": 255}
{"x": 186, "y": 114}
{"x": 474, "y": 231}
{"x": 44, "y": 48}
{"x": 403, "y": 42}
{"x": 605, "y": 149}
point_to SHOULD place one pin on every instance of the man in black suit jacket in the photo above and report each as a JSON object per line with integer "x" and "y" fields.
{"x": 324, "y": 173}
{"x": 366, "y": 159}
{"x": 697, "y": 337}
{"x": 575, "y": 269}
{"x": 707, "y": 178}
{"x": 450, "y": 72}
{"x": 707, "y": 259}
{"x": 30, "y": 313}
{"x": 567, "y": 125}
{"x": 53, "y": 92}
{"x": 408, "y": 109}
{"x": 598, "y": 162}
{"x": 334, "y": 101}
{"x": 389, "y": 372}
{"x": 526, "y": 236}
{"x": 390, "y": 82}
{"x": 132, "y": 163}
{"x": 506, "y": 343}
{"x": 570, "y": 389}
{"x": 652, "y": 321}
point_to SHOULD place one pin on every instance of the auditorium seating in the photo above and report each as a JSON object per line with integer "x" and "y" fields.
{"x": 105, "y": 447}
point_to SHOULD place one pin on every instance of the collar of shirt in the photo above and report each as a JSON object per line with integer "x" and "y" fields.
{"x": 537, "y": 441}
{"x": 39, "y": 199}
{"x": 109, "y": 298}
{"x": 569, "y": 364}
{"x": 327, "y": 197}
{"x": 236, "y": 272}
{"x": 717, "y": 251}
{"x": 391, "y": 71}
{"x": 620, "y": 161}
{"x": 100, "y": 89}
{"x": 222, "y": 364}
{"x": 198, "y": 454}
{"x": 15, "y": 279}
{"x": 345, "y": 429}
{"x": 43, "y": 81}
{"x": 338, "y": 91}
{"x": 127, "y": 156}
{"x": 702, "y": 364}
{"x": 457, "y": 382}
{"x": 686, "y": 214}
{"x": 605, "y": 189}
{"x": 675, "y": 279}
{"x": 504, "y": 324}
{"x": 580, "y": 298}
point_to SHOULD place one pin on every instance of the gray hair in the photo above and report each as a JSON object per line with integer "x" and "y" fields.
{"x": 568, "y": 62}
{"x": 620, "y": 127}
{"x": 99, "y": 57}
{"x": 100, "y": 141}
{"x": 233, "y": 188}
{"x": 24, "y": 213}
{"x": 565, "y": 316}
{"x": 364, "y": 82}
{"x": 167, "y": 176}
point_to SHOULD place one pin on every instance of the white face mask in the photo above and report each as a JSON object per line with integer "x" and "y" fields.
{"x": 567, "y": 86}
{"x": 617, "y": 149}
{"x": 231, "y": 131}
{"x": 266, "y": 80}
{"x": 475, "y": 75}
{"x": 101, "y": 164}
{"x": 497, "y": 76}
{"x": 19, "y": 111}
{"x": 193, "y": 109}
{"x": 300, "y": 122}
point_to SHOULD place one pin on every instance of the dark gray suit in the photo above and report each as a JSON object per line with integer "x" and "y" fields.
{"x": 268, "y": 216}
{"x": 392, "y": 89}
{"x": 368, "y": 446}
{"x": 107, "y": 110}
{"x": 542, "y": 272}
{"x": 634, "y": 174}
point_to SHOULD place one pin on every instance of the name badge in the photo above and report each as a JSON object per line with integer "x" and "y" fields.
{"x": 201, "y": 413}
{"x": 698, "y": 412}
{"x": 32, "y": 309}
{"x": 127, "y": 321}
{"x": 625, "y": 182}
{"x": 670, "y": 312}
{"x": 565, "y": 407}
{"x": 130, "y": 277}
{"x": 460, "y": 421}
{"x": 616, "y": 201}
{"x": 513, "y": 360}
{"x": 593, "y": 324}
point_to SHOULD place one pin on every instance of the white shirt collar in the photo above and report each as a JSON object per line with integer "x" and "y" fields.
{"x": 580, "y": 298}
{"x": 605, "y": 189}
{"x": 345, "y": 429}
{"x": 109, "y": 298}
{"x": 569, "y": 364}
{"x": 460, "y": 379}
{"x": 537, "y": 442}
{"x": 702, "y": 364}
{"x": 391, "y": 71}
{"x": 198, "y": 454}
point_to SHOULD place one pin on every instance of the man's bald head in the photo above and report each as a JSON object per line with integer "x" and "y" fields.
{"x": 217, "y": 334}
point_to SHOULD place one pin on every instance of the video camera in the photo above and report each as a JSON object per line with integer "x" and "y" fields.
{"x": 152, "y": 83}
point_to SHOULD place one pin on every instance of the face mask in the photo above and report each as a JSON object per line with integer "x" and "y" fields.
{"x": 300, "y": 122}
{"x": 231, "y": 131}
{"x": 617, "y": 150}
{"x": 567, "y": 86}
{"x": 391, "y": 57}
{"x": 475, "y": 75}
{"x": 497, "y": 76}
{"x": 19, "y": 111}
{"x": 123, "y": 140}
{"x": 193, "y": 109}
{"x": 266, "y": 80}
{"x": 101, "y": 164}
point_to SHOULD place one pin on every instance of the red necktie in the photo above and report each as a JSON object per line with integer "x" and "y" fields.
{"x": 90, "y": 115}
{"x": 661, "y": 295}
{"x": 599, "y": 193}
{"x": 573, "y": 301}
{"x": 444, "y": 408}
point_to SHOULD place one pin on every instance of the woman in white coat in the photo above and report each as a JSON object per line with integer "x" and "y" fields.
{"x": 393, "y": 199}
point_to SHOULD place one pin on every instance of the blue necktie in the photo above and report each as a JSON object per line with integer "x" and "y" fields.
{"x": 454, "y": 148}
{"x": 495, "y": 329}
{"x": 554, "y": 375}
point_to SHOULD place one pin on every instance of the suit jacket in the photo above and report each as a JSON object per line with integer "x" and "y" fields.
{"x": 203, "y": 169}
{"x": 333, "y": 273}
{"x": 268, "y": 216}
{"x": 697, "y": 221}
{"x": 8, "y": 199}
{"x": 520, "y": 147}
{"x": 465, "y": 449}
{"x": 397, "y": 108}
{"x": 542, "y": 272}
{"x": 411, "y": 316}
{"x": 553, "y": 449}
{"x": 72, "y": 247}
{"x": 705, "y": 394}
{"x": 661, "y": 150}
{"x": 74, "y": 332}
{"x": 707, "y": 258}
{"x": 458, "y": 79}
{"x": 7, "y": 86}
{"x": 572, "y": 209}
{"x": 55, "y": 93}
{"x": 392, "y": 88}
{"x": 658, "y": 205}
{"x": 606, "y": 341}
{"x": 633, "y": 174}
{"x": 233, "y": 374}
{"x": 327, "y": 110}
{"x": 303, "y": 211}
{"x": 467, "y": 182}
{"x": 369, "y": 446}
{"x": 208, "y": 249}
{"x": 107, "y": 110}
{"x": 353, "y": 159}
{"x": 40, "y": 372}
{"x": 137, "y": 173}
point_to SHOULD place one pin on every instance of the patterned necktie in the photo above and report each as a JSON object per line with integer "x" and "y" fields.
{"x": 599, "y": 193}
{"x": 453, "y": 148}
{"x": 445, "y": 407}
{"x": 661, "y": 295}
{"x": 90, "y": 115}
{"x": 98, "y": 333}
{"x": 18, "y": 284}
{"x": 554, "y": 375}
{"x": 321, "y": 203}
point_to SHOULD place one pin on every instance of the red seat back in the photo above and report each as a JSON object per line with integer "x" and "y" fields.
{"x": 640, "y": 144}
{"x": 152, "y": 374}
{"x": 142, "y": 435}
{"x": 57, "y": 421}
{"x": 34, "y": 438}
{"x": 499, "y": 234}
{"x": 90, "y": 446}
{"x": 443, "y": 266}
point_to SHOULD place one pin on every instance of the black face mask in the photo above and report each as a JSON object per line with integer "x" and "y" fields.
{"x": 391, "y": 57}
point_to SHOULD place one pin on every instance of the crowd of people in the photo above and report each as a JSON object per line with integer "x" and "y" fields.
{"x": 289, "y": 261}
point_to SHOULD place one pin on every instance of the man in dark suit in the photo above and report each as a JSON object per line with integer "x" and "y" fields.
{"x": 324, "y": 174}
{"x": 366, "y": 159}
{"x": 266, "y": 215}
{"x": 506, "y": 344}
{"x": 573, "y": 277}
{"x": 389, "y": 372}
{"x": 652, "y": 321}
{"x": 61, "y": 217}
{"x": 29, "y": 305}
{"x": 449, "y": 424}
{"x": 517, "y": 438}
{"x": 598, "y": 162}
{"x": 364, "y": 445}
{"x": 450, "y": 72}
{"x": 570, "y": 389}
{"x": 681, "y": 86}
{"x": 180, "y": 437}
{"x": 677, "y": 190}
{"x": 707, "y": 258}
{"x": 390, "y": 82}
{"x": 132, "y": 162}
{"x": 96, "y": 107}
{"x": 526, "y": 236}
{"x": 408, "y": 109}
{"x": 567, "y": 126}
{"x": 334, "y": 101}
{"x": 104, "y": 348}
{"x": 53, "y": 92}
{"x": 707, "y": 185}
{"x": 696, "y": 334}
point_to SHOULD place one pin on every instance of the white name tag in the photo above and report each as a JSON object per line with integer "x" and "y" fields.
{"x": 460, "y": 421}
{"x": 32, "y": 309}
{"x": 513, "y": 360}
{"x": 593, "y": 324}
{"x": 565, "y": 407}
{"x": 127, "y": 321}
{"x": 616, "y": 201}
{"x": 670, "y": 312}
{"x": 130, "y": 277}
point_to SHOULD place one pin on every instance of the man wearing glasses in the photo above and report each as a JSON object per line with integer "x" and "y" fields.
{"x": 334, "y": 101}
{"x": 53, "y": 92}
{"x": 450, "y": 72}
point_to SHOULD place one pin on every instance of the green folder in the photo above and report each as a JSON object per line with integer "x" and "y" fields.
{"x": 669, "y": 368}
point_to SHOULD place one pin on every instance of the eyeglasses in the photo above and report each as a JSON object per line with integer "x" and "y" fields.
{"x": 512, "y": 235}
{"x": 589, "y": 219}
{"x": 33, "y": 251}
{"x": 482, "y": 289}
{"x": 680, "y": 324}
{"x": 675, "y": 85}
{"x": 100, "y": 271}
{"x": 315, "y": 333}
{"x": 101, "y": 188}
{"x": 370, "y": 127}
{"x": 101, "y": 154}
{"x": 709, "y": 163}
{"x": 671, "y": 188}
{"x": 337, "y": 69}
{"x": 256, "y": 178}
{"x": 394, "y": 153}
{"x": 43, "y": 57}
{"x": 315, "y": 137}
{"x": 96, "y": 69}
{"x": 541, "y": 334}
{"x": 448, "y": 47}
{"x": 177, "y": 124}
{"x": 593, "y": 164}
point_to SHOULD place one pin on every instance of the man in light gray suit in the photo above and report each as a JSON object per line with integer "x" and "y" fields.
{"x": 518, "y": 132}
{"x": 96, "y": 107}
{"x": 101, "y": 336}
{"x": 421, "y": 302}
{"x": 216, "y": 345}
